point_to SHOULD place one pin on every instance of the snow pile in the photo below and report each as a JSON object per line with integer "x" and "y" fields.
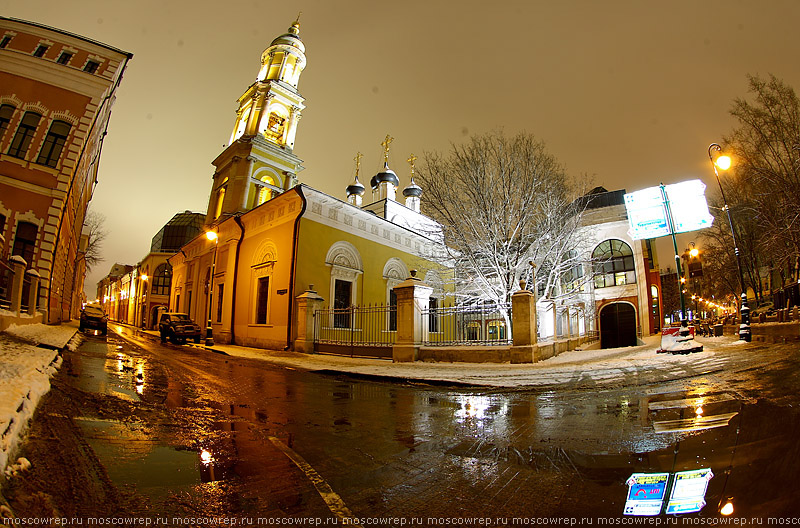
{"x": 25, "y": 371}
{"x": 48, "y": 335}
{"x": 22, "y": 464}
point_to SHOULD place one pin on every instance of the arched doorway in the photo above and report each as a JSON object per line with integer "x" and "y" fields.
{"x": 617, "y": 325}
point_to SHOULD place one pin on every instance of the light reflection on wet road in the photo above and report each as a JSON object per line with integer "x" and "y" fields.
{"x": 421, "y": 451}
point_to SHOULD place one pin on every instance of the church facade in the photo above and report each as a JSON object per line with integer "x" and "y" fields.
{"x": 271, "y": 238}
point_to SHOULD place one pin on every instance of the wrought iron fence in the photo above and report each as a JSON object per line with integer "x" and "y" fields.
{"x": 6, "y": 283}
{"x": 6, "y": 279}
{"x": 364, "y": 326}
{"x": 473, "y": 324}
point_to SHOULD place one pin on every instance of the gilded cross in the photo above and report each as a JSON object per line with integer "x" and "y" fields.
{"x": 358, "y": 162}
{"x": 385, "y": 144}
{"x": 411, "y": 161}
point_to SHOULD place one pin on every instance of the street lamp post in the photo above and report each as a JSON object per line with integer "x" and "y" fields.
{"x": 211, "y": 235}
{"x": 724, "y": 162}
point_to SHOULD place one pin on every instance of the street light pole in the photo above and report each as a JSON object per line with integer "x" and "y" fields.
{"x": 723, "y": 162}
{"x": 211, "y": 235}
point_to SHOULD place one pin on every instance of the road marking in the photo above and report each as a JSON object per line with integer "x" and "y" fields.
{"x": 334, "y": 501}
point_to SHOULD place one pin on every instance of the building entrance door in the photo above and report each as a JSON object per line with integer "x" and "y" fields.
{"x": 617, "y": 325}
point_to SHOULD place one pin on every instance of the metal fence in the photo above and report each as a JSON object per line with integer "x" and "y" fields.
{"x": 6, "y": 279}
{"x": 357, "y": 331}
{"x": 474, "y": 324}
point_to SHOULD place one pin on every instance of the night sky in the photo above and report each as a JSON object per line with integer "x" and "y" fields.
{"x": 629, "y": 93}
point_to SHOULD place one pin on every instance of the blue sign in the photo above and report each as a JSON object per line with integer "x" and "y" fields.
{"x": 646, "y": 493}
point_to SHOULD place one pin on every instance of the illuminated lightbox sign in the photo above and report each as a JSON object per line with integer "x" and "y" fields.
{"x": 689, "y": 491}
{"x": 646, "y": 493}
{"x": 647, "y": 213}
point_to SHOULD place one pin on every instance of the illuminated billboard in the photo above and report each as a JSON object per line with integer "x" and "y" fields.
{"x": 647, "y": 211}
{"x": 646, "y": 493}
{"x": 686, "y": 490}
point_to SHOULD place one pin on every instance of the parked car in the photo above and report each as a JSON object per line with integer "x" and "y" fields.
{"x": 95, "y": 318}
{"x": 178, "y": 327}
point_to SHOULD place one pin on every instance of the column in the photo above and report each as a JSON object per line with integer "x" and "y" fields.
{"x": 413, "y": 296}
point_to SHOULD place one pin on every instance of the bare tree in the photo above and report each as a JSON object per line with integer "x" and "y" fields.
{"x": 504, "y": 202}
{"x": 763, "y": 187}
{"x": 96, "y": 234}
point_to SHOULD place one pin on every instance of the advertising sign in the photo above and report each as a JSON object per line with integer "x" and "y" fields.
{"x": 646, "y": 493}
{"x": 689, "y": 491}
{"x": 647, "y": 212}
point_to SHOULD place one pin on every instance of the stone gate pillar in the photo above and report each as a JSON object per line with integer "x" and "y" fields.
{"x": 523, "y": 320}
{"x": 307, "y": 303}
{"x": 33, "y": 294}
{"x": 18, "y": 265}
{"x": 413, "y": 297}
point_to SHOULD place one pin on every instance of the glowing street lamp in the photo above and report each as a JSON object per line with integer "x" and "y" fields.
{"x": 213, "y": 237}
{"x": 723, "y": 162}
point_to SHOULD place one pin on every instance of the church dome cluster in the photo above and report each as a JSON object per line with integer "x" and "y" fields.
{"x": 385, "y": 183}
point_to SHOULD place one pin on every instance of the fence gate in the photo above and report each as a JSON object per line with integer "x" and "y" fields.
{"x": 364, "y": 331}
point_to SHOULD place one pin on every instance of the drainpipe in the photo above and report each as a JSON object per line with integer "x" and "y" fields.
{"x": 238, "y": 221}
{"x": 299, "y": 189}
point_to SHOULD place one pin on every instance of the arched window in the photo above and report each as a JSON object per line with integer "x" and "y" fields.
{"x": 613, "y": 264}
{"x": 346, "y": 265}
{"x": 220, "y": 200}
{"x": 25, "y": 241}
{"x": 162, "y": 278}
{"x": 267, "y": 192}
{"x": 24, "y": 136}
{"x": 54, "y": 143}
{"x": 6, "y": 113}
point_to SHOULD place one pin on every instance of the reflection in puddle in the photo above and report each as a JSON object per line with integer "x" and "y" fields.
{"x": 132, "y": 458}
{"x": 114, "y": 372}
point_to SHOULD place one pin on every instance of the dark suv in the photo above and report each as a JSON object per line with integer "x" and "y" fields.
{"x": 177, "y": 327}
{"x": 93, "y": 317}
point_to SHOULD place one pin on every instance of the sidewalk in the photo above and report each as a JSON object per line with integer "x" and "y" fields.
{"x": 29, "y": 355}
{"x": 577, "y": 368}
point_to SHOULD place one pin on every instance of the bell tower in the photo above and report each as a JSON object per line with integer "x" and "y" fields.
{"x": 259, "y": 162}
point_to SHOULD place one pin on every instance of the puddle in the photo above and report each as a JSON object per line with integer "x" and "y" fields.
{"x": 131, "y": 458}
{"x": 109, "y": 370}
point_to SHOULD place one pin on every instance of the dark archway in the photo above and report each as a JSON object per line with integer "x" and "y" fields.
{"x": 617, "y": 325}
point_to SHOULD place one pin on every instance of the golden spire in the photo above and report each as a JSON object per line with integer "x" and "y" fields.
{"x": 385, "y": 144}
{"x": 295, "y": 27}
{"x": 411, "y": 161}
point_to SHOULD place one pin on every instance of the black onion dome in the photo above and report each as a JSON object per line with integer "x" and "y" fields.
{"x": 386, "y": 175}
{"x": 356, "y": 188}
{"x": 412, "y": 190}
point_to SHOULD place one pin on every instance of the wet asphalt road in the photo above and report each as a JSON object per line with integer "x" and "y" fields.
{"x": 193, "y": 433}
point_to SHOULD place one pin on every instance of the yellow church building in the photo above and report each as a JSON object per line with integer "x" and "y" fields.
{"x": 271, "y": 239}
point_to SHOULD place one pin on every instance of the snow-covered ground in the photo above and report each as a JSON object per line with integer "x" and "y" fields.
{"x": 25, "y": 370}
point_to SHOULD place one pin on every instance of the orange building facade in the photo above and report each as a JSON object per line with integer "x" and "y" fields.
{"x": 56, "y": 94}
